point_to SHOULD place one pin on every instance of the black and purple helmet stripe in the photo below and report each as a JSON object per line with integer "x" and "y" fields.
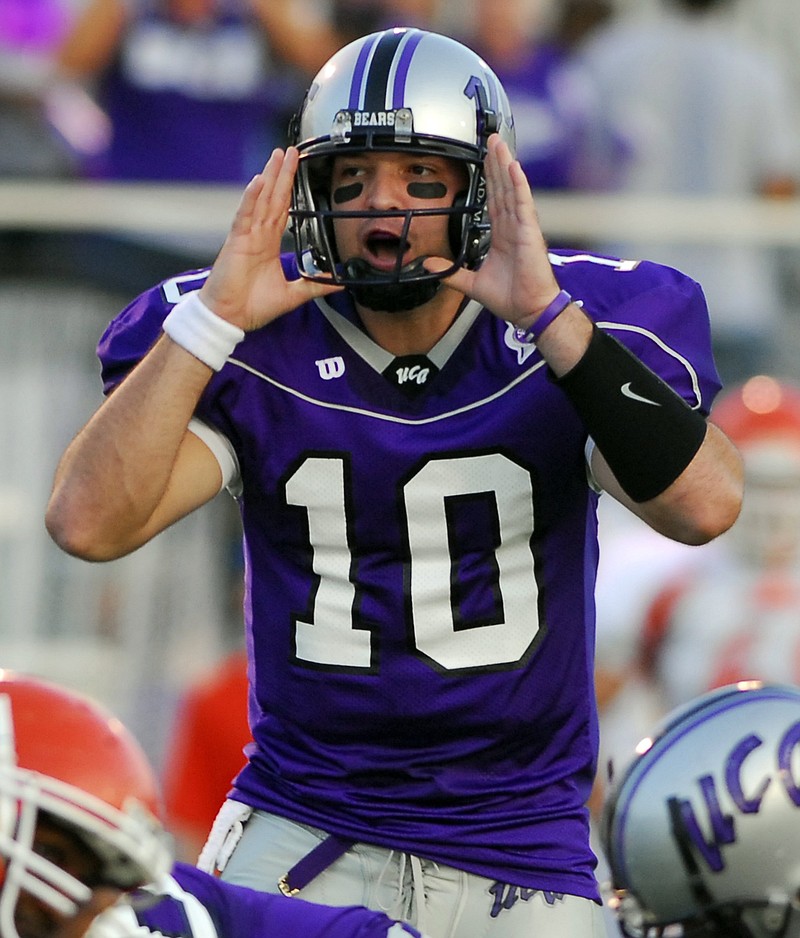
{"x": 379, "y": 78}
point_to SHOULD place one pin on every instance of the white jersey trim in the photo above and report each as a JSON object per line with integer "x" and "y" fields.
{"x": 389, "y": 418}
{"x": 378, "y": 358}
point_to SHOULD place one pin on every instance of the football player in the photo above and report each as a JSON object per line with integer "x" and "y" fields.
{"x": 416, "y": 409}
{"x": 80, "y": 837}
{"x": 702, "y": 828}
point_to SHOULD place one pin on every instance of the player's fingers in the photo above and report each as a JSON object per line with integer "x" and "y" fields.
{"x": 281, "y": 198}
{"x": 264, "y": 208}
{"x": 499, "y": 183}
{"x": 304, "y": 290}
{"x": 523, "y": 196}
{"x": 255, "y": 199}
{"x": 285, "y": 179}
{"x": 271, "y": 210}
{"x": 461, "y": 279}
{"x": 243, "y": 218}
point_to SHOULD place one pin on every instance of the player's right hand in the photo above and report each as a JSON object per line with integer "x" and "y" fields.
{"x": 247, "y": 286}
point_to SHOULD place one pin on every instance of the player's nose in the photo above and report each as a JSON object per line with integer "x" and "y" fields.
{"x": 387, "y": 188}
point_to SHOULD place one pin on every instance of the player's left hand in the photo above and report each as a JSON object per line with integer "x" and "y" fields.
{"x": 516, "y": 280}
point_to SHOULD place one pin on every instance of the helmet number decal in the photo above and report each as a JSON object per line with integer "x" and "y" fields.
{"x": 486, "y": 116}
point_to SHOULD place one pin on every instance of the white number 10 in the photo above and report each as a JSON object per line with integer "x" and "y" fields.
{"x": 328, "y": 636}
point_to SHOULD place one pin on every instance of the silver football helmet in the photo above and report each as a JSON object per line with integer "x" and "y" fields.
{"x": 390, "y": 91}
{"x": 702, "y": 830}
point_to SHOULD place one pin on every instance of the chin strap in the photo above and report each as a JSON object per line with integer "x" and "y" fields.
{"x": 395, "y": 294}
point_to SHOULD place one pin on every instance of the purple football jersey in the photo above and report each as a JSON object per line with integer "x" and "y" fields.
{"x": 193, "y": 904}
{"x": 420, "y": 568}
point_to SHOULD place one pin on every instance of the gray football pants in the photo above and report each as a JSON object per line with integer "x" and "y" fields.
{"x": 257, "y": 849}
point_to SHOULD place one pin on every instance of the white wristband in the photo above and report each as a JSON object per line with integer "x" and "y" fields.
{"x": 200, "y": 331}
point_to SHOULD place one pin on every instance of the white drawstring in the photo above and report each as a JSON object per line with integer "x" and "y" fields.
{"x": 397, "y": 902}
{"x": 410, "y": 904}
{"x": 418, "y": 892}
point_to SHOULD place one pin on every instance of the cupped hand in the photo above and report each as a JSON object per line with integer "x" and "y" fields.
{"x": 247, "y": 285}
{"x": 515, "y": 280}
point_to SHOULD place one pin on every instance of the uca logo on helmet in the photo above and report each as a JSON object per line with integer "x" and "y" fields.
{"x": 747, "y": 799}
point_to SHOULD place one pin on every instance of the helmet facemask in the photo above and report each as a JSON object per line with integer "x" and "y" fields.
{"x": 128, "y": 846}
{"x": 407, "y": 285}
{"x": 26, "y": 871}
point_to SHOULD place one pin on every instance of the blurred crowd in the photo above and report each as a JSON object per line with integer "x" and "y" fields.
{"x": 663, "y": 98}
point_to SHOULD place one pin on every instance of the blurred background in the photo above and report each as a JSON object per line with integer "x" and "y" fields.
{"x": 660, "y": 129}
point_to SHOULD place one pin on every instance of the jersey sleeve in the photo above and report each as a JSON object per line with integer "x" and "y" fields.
{"x": 242, "y": 913}
{"x": 657, "y": 312}
{"x": 131, "y": 334}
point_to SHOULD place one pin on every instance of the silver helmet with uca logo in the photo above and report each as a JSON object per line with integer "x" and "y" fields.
{"x": 702, "y": 829}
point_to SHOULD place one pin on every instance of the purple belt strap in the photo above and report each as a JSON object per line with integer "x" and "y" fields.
{"x": 312, "y": 864}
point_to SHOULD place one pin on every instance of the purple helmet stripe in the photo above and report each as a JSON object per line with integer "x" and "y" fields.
{"x": 401, "y": 74}
{"x": 358, "y": 74}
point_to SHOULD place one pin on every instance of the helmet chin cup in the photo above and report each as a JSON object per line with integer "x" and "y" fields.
{"x": 391, "y": 293}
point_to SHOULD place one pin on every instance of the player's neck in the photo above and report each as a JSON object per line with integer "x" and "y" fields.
{"x": 415, "y": 331}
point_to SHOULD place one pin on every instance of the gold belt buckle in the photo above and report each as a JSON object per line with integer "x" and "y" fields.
{"x": 285, "y": 888}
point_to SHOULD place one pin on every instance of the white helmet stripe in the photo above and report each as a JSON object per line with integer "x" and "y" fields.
{"x": 398, "y": 73}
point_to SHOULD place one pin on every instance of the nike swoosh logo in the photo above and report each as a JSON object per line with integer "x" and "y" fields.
{"x": 626, "y": 390}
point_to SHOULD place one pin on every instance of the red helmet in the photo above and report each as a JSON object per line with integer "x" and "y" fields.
{"x": 762, "y": 408}
{"x": 762, "y": 417}
{"x": 63, "y": 755}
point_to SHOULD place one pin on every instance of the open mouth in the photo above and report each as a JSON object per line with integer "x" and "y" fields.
{"x": 385, "y": 250}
